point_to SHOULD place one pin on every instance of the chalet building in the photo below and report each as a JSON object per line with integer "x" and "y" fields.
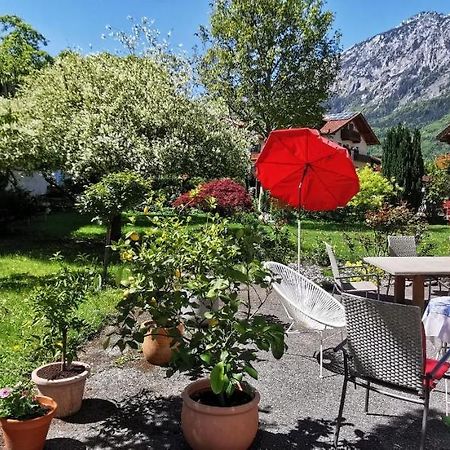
{"x": 352, "y": 131}
{"x": 444, "y": 136}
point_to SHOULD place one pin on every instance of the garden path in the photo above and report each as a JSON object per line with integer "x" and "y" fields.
{"x": 130, "y": 405}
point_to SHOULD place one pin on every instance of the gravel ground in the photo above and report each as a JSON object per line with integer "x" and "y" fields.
{"x": 132, "y": 405}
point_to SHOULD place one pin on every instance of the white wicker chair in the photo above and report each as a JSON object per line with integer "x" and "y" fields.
{"x": 306, "y": 304}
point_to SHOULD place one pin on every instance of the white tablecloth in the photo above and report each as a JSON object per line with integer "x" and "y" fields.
{"x": 436, "y": 320}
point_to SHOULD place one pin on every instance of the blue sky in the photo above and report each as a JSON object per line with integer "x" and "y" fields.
{"x": 80, "y": 23}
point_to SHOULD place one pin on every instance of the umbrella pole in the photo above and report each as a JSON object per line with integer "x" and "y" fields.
{"x": 298, "y": 241}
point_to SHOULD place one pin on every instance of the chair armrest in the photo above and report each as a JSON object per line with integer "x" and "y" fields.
{"x": 363, "y": 267}
{"x": 340, "y": 346}
{"x": 362, "y": 275}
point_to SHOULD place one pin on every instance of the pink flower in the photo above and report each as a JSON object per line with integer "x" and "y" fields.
{"x": 5, "y": 392}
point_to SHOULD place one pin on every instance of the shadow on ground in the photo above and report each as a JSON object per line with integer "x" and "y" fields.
{"x": 142, "y": 422}
{"x": 64, "y": 444}
{"x": 401, "y": 432}
{"x": 93, "y": 410}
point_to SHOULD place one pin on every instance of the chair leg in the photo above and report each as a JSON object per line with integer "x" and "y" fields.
{"x": 341, "y": 410}
{"x": 424, "y": 419}
{"x": 321, "y": 356}
{"x": 366, "y": 404}
{"x": 446, "y": 397}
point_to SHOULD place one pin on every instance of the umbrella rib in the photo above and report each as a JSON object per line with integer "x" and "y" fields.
{"x": 324, "y": 185}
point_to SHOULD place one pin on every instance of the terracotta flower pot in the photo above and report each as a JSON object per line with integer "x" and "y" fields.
{"x": 217, "y": 428}
{"x": 28, "y": 434}
{"x": 67, "y": 392}
{"x": 158, "y": 346}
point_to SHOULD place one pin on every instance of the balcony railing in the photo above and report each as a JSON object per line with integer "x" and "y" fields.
{"x": 350, "y": 135}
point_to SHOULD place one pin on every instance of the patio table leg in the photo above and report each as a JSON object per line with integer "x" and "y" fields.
{"x": 399, "y": 289}
{"x": 418, "y": 295}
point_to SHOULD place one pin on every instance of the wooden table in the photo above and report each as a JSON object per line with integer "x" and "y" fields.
{"x": 417, "y": 268}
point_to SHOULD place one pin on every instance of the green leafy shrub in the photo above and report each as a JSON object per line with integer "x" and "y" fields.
{"x": 56, "y": 305}
{"x": 437, "y": 189}
{"x": 375, "y": 191}
{"x": 273, "y": 241}
{"x": 107, "y": 199}
{"x": 17, "y": 204}
{"x": 388, "y": 220}
{"x": 170, "y": 270}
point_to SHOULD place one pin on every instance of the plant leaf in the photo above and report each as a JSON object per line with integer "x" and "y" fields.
{"x": 217, "y": 378}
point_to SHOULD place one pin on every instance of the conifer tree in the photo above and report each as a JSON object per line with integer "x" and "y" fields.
{"x": 402, "y": 160}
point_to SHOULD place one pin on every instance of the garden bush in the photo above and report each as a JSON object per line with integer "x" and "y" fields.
{"x": 388, "y": 220}
{"x": 375, "y": 191}
{"x": 223, "y": 196}
{"x": 273, "y": 241}
{"x": 17, "y": 204}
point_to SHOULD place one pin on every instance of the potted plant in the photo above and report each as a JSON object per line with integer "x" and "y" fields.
{"x": 57, "y": 305}
{"x": 214, "y": 263}
{"x": 25, "y": 418}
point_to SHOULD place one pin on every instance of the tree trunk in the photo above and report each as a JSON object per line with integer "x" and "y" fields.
{"x": 116, "y": 228}
{"x": 113, "y": 234}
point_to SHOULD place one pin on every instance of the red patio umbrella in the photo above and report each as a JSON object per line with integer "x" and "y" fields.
{"x": 303, "y": 169}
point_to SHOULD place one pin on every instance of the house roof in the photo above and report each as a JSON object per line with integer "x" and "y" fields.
{"x": 444, "y": 136}
{"x": 334, "y": 123}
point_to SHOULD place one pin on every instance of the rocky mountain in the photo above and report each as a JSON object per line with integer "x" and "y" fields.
{"x": 400, "y": 75}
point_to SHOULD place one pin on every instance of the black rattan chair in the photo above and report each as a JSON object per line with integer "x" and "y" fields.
{"x": 385, "y": 353}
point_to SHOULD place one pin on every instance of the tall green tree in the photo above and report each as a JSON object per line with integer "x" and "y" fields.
{"x": 94, "y": 115}
{"x": 403, "y": 161}
{"x": 20, "y": 53}
{"x": 272, "y": 61}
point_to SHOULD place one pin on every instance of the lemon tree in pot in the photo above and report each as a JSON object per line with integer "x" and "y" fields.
{"x": 213, "y": 263}
{"x": 25, "y": 417}
{"x": 57, "y": 307}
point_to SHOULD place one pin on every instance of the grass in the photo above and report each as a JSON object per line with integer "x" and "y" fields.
{"x": 25, "y": 261}
{"x": 313, "y": 234}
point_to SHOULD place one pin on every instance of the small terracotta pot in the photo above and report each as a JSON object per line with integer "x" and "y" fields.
{"x": 67, "y": 392}
{"x": 217, "y": 428}
{"x": 28, "y": 434}
{"x": 158, "y": 346}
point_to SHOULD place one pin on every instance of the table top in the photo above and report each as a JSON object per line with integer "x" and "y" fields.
{"x": 410, "y": 266}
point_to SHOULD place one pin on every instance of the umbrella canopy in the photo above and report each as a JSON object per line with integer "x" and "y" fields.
{"x": 301, "y": 168}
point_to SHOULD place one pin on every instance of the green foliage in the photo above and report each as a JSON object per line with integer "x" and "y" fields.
{"x": 17, "y": 204}
{"x": 171, "y": 270}
{"x": 114, "y": 194}
{"x": 388, "y": 220}
{"x": 402, "y": 160}
{"x": 273, "y": 241}
{"x": 57, "y": 303}
{"x": 375, "y": 190}
{"x": 20, "y": 403}
{"x": 94, "y": 115}
{"x": 20, "y": 53}
{"x": 272, "y": 61}
{"x": 437, "y": 189}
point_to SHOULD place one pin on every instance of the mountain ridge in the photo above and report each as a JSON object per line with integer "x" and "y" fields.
{"x": 390, "y": 75}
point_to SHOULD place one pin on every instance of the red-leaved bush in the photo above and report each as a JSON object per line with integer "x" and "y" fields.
{"x": 224, "y": 196}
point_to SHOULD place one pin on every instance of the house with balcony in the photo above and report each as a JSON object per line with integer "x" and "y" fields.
{"x": 353, "y": 132}
{"x": 444, "y": 135}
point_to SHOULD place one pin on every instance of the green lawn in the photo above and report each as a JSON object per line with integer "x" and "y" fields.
{"x": 25, "y": 262}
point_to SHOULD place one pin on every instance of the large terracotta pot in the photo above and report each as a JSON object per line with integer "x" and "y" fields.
{"x": 158, "y": 344}
{"x": 28, "y": 434}
{"x": 67, "y": 392}
{"x": 217, "y": 428}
